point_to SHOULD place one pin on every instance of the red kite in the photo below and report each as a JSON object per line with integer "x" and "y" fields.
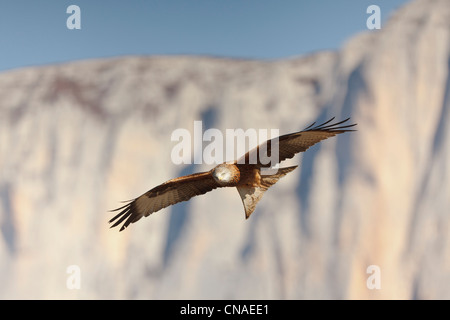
{"x": 244, "y": 175}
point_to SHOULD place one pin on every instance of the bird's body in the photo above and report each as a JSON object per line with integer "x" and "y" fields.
{"x": 247, "y": 176}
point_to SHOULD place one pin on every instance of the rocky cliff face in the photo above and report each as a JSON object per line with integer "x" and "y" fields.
{"x": 364, "y": 209}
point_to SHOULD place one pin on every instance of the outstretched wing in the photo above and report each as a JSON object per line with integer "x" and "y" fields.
{"x": 164, "y": 195}
{"x": 289, "y": 145}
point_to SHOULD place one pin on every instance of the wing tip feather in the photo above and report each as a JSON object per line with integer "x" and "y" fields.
{"x": 126, "y": 213}
{"x": 334, "y": 127}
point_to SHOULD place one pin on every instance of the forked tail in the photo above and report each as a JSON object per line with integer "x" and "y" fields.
{"x": 251, "y": 195}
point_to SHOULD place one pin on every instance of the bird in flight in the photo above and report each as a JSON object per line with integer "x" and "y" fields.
{"x": 243, "y": 174}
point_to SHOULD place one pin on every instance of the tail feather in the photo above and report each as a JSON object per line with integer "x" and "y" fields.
{"x": 251, "y": 195}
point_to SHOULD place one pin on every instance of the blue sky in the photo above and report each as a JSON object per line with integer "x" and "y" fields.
{"x": 35, "y": 32}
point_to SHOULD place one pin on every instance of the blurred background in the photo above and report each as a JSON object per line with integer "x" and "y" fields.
{"x": 86, "y": 117}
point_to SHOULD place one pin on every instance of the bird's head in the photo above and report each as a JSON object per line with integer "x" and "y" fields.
{"x": 225, "y": 174}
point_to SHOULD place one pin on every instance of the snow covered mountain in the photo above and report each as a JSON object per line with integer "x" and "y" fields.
{"x": 367, "y": 214}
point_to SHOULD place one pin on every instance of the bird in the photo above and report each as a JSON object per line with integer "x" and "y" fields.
{"x": 245, "y": 175}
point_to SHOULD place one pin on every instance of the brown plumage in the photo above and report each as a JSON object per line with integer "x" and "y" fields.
{"x": 244, "y": 174}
